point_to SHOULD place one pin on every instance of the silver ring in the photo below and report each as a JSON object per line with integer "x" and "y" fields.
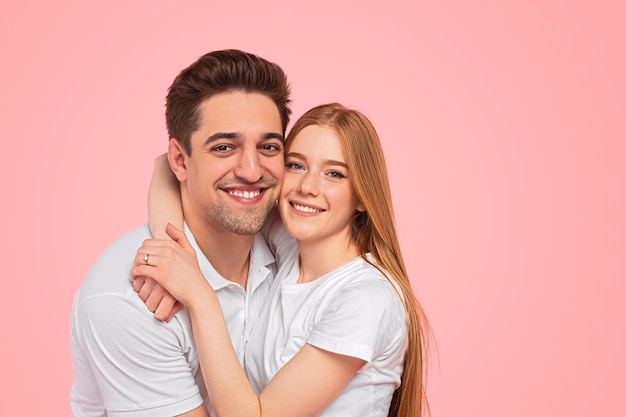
{"x": 145, "y": 258}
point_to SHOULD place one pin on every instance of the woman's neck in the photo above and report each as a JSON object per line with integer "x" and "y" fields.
{"x": 318, "y": 258}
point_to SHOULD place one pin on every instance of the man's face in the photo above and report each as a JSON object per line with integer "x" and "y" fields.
{"x": 235, "y": 170}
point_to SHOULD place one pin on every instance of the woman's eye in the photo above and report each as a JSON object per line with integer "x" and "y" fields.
{"x": 294, "y": 165}
{"x": 336, "y": 174}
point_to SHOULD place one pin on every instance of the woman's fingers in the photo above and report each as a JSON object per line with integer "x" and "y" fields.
{"x": 155, "y": 259}
{"x": 138, "y": 282}
{"x": 156, "y": 298}
{"x": 179, "y": 237}
{"x": 176, "y": 309}
{"x": 173, "y": 266}
{"x": 167, "y": 307}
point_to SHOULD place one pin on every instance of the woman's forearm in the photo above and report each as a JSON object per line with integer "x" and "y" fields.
{"x": 229, "y": 391}
{"x": 164, "y": 204}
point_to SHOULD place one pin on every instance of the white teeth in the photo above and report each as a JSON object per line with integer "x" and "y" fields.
{"x": 306, "y": 209}
{"x": 245, "y": 194}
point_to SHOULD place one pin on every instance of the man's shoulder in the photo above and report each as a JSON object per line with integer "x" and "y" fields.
{"x": 110, "y": 274}
{"x": 128, "y": 243}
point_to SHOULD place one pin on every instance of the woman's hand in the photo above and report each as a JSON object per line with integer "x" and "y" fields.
{"x": 157, "y": 299}
{"x": 172, "y": 264}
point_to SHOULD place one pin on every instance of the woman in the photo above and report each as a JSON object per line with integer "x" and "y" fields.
{"x": 341, "y": 330}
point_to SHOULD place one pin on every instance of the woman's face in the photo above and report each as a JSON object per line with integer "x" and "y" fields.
{"x": 317, "y": 200}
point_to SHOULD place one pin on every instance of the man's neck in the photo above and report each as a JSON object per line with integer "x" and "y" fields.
{"x": 228, "y": 252}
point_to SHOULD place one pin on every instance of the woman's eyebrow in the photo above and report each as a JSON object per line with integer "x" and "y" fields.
{"x": 326, "y": 161}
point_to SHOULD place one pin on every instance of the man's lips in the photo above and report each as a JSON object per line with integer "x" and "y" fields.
{"x": 245, "y": 194}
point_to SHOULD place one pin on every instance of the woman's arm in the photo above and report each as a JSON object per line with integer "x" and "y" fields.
{"x": 304, "y": 387}
{"x": 164, "y": 204}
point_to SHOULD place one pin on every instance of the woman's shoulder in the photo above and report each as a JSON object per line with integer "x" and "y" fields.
{"x": 364, "y": 281}
{"x": 365, "y": 269}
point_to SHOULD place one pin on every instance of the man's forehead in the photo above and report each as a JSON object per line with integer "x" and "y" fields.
{"x": 238, "y": 111}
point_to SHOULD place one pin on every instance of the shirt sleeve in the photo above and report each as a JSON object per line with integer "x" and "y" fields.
{"x": 365, "y": 319}
{"x": 128, "y": 363}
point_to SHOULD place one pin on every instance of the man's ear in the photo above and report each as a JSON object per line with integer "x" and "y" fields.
{"x": 177, "y": 157}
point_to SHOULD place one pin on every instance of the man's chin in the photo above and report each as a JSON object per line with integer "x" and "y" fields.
{"x": 239, "y": 219}
{"x": 247, "y": 223}
{"x": 244, "y": 229}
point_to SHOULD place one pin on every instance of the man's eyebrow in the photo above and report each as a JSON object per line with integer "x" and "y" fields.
{"x": 237, "y": 135}
{"x": 222, "y": 135}
{"x": 273, "y": 135}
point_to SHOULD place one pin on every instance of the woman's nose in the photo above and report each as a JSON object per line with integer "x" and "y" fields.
{"x": 310, "y": 183}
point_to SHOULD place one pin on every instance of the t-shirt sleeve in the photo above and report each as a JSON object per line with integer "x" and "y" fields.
{"x": 137, "y": 364}
{"x": 365, "y": 319}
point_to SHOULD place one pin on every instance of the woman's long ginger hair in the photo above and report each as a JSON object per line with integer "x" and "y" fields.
{"x": 374, "y": 232}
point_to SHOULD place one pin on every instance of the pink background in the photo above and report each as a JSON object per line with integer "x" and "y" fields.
{"x": 504, "y": 130}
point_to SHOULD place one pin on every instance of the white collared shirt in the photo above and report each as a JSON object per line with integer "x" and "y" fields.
{"x": 241, "y": 307}
{"x": 127, "y": 363}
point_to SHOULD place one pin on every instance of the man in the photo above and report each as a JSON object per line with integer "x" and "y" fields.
{"x": 226, "y": 117}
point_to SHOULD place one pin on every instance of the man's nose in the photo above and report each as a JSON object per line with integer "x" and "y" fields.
{"x": 249, "y": 166}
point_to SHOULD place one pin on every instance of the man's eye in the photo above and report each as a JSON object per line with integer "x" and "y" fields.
{"x": 222, "y": 148}
{"x": 272, "y": 148}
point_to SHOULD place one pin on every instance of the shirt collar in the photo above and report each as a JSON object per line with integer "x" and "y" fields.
{"x": 261, "y": 259}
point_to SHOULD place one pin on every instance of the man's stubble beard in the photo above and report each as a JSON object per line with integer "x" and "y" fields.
{"x": 247, "y": 221}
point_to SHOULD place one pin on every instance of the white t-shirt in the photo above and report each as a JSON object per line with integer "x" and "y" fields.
{"x": 127, "y": 363}
{"x": 353, "y": 310}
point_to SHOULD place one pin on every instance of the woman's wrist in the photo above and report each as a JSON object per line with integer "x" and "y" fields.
{"x": 202, "y": 299}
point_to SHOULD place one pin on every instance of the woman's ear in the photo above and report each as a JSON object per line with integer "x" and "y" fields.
{"x": 360, "y": 207}
{"x": 177, "y": 157}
